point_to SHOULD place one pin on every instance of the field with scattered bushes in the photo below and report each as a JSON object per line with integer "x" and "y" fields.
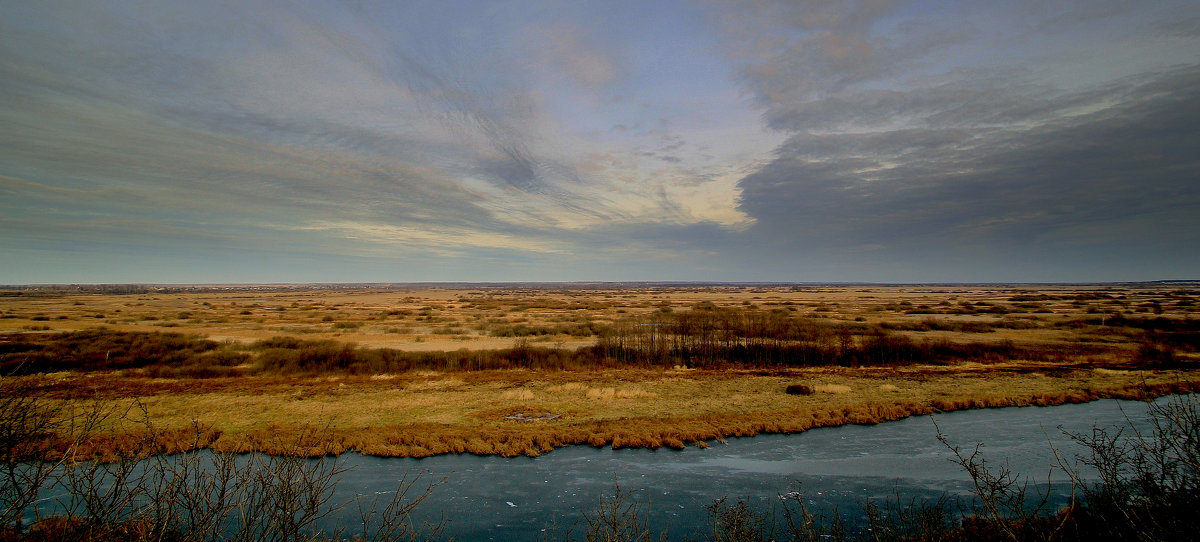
{"x": 404, "y": 370}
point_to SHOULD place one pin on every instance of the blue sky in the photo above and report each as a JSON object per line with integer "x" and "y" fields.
{"x": 877, "y": 140}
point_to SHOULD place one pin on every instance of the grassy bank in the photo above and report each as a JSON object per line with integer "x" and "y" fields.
{"x": 1146, "y": 491}
{"x": 418, "y": 414}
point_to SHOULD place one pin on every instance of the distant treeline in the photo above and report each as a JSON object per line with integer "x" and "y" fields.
{"x": 695, "y": 338}
{"x": 715, "y": 336}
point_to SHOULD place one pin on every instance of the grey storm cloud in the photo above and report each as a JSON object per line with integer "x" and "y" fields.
{"x": 1129, "y": 165}
{"x": 915, "y": 131}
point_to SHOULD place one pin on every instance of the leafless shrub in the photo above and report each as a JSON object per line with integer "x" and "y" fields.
{"x": 1149, "y": 486}
{"x": 738, "y": 522}
{"x": 29, "y": 429}
{"x": 804, "y": 526}
{"x": 929, "y": 521}
{"x": 393, "y": 521}
{"x": 619, "y": 518}
{"x": 1004, "y": 504}
{"x": 799, "y": 389}
{"x": 193, "y": 495}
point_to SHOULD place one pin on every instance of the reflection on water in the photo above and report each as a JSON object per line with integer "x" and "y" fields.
{"x": 492, "y": 498}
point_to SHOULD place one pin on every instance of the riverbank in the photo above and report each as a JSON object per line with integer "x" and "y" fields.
{"x": 831, "y": 480}
{"x": 424, "y": 413}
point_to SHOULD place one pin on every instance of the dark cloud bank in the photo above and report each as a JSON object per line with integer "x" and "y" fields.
{"x": 1117, "y": 182}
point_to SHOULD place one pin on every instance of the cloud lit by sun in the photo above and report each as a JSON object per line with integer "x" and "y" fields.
{"x": 599, "y": 141}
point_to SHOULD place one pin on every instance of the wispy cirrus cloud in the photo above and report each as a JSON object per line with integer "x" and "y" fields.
{"x": 413, "y": 118}
{"x": 735, "y": 140}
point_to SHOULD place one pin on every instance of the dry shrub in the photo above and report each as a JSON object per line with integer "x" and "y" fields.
{"x": 889, "y": 388}
{"x": 633, "y": 394}
{"x": 832, "y": 388}
{"x": 601, "y": 393}
{"x": 156, "y": 487}
{"x": 440, "y": 384}
{"x": 620, "y": 517}
{"x": 799, "y": 389}
{"x": 479, "y": 446}
{"x": 568, "y": 387}
{"x": 517, "y": 395}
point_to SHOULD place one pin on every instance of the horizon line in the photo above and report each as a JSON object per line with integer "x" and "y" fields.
{"x": 384, "y": 284}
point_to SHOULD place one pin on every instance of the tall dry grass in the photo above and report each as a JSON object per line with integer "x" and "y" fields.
{"x": 514, "y": 438}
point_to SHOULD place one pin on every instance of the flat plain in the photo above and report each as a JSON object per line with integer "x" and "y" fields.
{"x": 417, "y": 370}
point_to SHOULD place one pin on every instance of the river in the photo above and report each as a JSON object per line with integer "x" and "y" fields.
{"x": 494, "y": 498}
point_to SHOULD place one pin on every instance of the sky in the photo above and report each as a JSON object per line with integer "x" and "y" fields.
{"x": 715, "y": 140}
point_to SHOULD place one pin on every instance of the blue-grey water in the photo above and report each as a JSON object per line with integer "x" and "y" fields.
{"x": 494, "y": 498}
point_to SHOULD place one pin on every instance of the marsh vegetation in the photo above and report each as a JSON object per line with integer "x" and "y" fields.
{"x": 185, "y": 382}
{"x": 418, "y": 371}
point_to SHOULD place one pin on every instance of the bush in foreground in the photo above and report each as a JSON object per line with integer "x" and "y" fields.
{"x": 194, "y": 495}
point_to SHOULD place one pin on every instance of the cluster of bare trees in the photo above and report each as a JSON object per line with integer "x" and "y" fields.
{"x": 709, "y": 336}
{"x": 196, "y": 495}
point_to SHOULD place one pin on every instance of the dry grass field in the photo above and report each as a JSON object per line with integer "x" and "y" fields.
{"x": 422, "y": 370}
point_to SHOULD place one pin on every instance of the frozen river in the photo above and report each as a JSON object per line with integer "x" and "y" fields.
{"x": 494, "y": 498}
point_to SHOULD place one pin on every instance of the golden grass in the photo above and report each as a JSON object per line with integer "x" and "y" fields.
{"x": 601, "y": 393}
{"x": 405, "y": 416}
{"x": 633, "y": 394}
{"x": 434, "y": 383}
{"x": 617, "y": 393}
{"x": 437, "y": 318}
{"x": 517, "y": 395}
{"x": 419, "y": 413}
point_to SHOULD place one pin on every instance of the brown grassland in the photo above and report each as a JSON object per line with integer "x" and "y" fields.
{"x": 509, "y": 370}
